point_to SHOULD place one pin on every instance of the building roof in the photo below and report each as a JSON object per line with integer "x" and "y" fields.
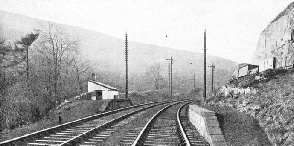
{"x": 246, "y": 64}
{"x": 242, "y": 65}
{"x": 104, "y": 85}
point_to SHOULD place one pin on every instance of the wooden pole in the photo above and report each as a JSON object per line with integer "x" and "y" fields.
{"x": 168, "y": 77}
{"x": 171, "y": 76}
{"x": 194, "y": 81}
{"x": 212, "y": 72}
{"x": 204, "y": 91}
{"x": 126, "y": 53}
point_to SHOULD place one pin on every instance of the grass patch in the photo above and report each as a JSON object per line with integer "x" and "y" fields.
{"x": 69, "y": 112}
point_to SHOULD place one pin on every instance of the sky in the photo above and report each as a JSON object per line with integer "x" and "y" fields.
{"x": 232, "y": 26}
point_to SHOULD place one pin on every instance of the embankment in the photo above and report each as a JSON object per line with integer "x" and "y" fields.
{"x": 272, "y": 105}
{"x": 224, "y": 126}
{"x": 68, "y": 112}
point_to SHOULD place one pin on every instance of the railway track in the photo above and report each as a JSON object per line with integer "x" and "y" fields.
{"x": 167, "y": 129}
{"x": 70, "y": 132}
{"x": 84, "y": 133}
{"x": 101, "y": 137}
{"x": 164, "y": 128}
{"x": 189, "y": 135}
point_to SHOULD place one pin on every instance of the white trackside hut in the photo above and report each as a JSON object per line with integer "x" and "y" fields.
{"x": 102, "y": 90}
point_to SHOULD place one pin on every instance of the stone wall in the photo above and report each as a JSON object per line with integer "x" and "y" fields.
{"x": 207, "y": 124}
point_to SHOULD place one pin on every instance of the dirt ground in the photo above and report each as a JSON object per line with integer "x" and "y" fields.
{"x": 239, "y": 129}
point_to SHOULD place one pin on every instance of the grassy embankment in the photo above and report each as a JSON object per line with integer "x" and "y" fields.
{"x": 272, "y": 105}
{"x": 69, "y": 112}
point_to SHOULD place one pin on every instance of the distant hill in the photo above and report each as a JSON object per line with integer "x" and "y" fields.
{"x": 106, "y": 53}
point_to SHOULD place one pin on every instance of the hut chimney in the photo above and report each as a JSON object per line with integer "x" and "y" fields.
{"x": 93, "y": 77}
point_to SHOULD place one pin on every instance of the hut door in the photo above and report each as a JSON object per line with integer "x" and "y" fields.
{"x": 98, "y": 94}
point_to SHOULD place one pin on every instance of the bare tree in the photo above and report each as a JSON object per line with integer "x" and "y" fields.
{"x": 154, "y": 71}
{"x": 80, "y": 67}
{"x": 56, "y": 47}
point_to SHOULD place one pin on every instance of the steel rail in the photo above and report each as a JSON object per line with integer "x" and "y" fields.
{"x": 50, "y": 130}
{"x": 183, "y": 137}
{"x": 84, "y": 135}
{"x": 142, "y": 135}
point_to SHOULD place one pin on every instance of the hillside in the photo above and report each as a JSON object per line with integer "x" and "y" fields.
{"x": 106, "y": 54}
{"x": 270, "y": 102}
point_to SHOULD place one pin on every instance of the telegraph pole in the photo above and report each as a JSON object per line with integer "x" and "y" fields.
{"x": 126, "y": 53}
{"x": 212, "y": 71}
{"x": 171, "y": 76}
{"x": 168, "y": 77}
{"x": 204, "y": 91}
{"x": 28, "y": 76}
{"x": 194, "y": 81}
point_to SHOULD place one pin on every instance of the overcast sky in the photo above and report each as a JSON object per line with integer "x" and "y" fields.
{"x": 233, "y": 26}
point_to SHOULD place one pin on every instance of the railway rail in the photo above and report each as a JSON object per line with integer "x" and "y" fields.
{"x": 94, "y": 130}
{"x": 66, "y": 126}
{"x": 169, "y": 131}
{"x": 189, "y": 135}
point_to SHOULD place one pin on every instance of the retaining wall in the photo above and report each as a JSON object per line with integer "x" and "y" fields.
{"x": 207, "y": 124}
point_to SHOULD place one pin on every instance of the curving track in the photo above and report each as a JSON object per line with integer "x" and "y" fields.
{"x": 168, "y": 129}
{"x": 83, "y": 132}
{"x": 169, "y": 126}
{"x": 70, "y": 132}
{"x": 189, "y": 135}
